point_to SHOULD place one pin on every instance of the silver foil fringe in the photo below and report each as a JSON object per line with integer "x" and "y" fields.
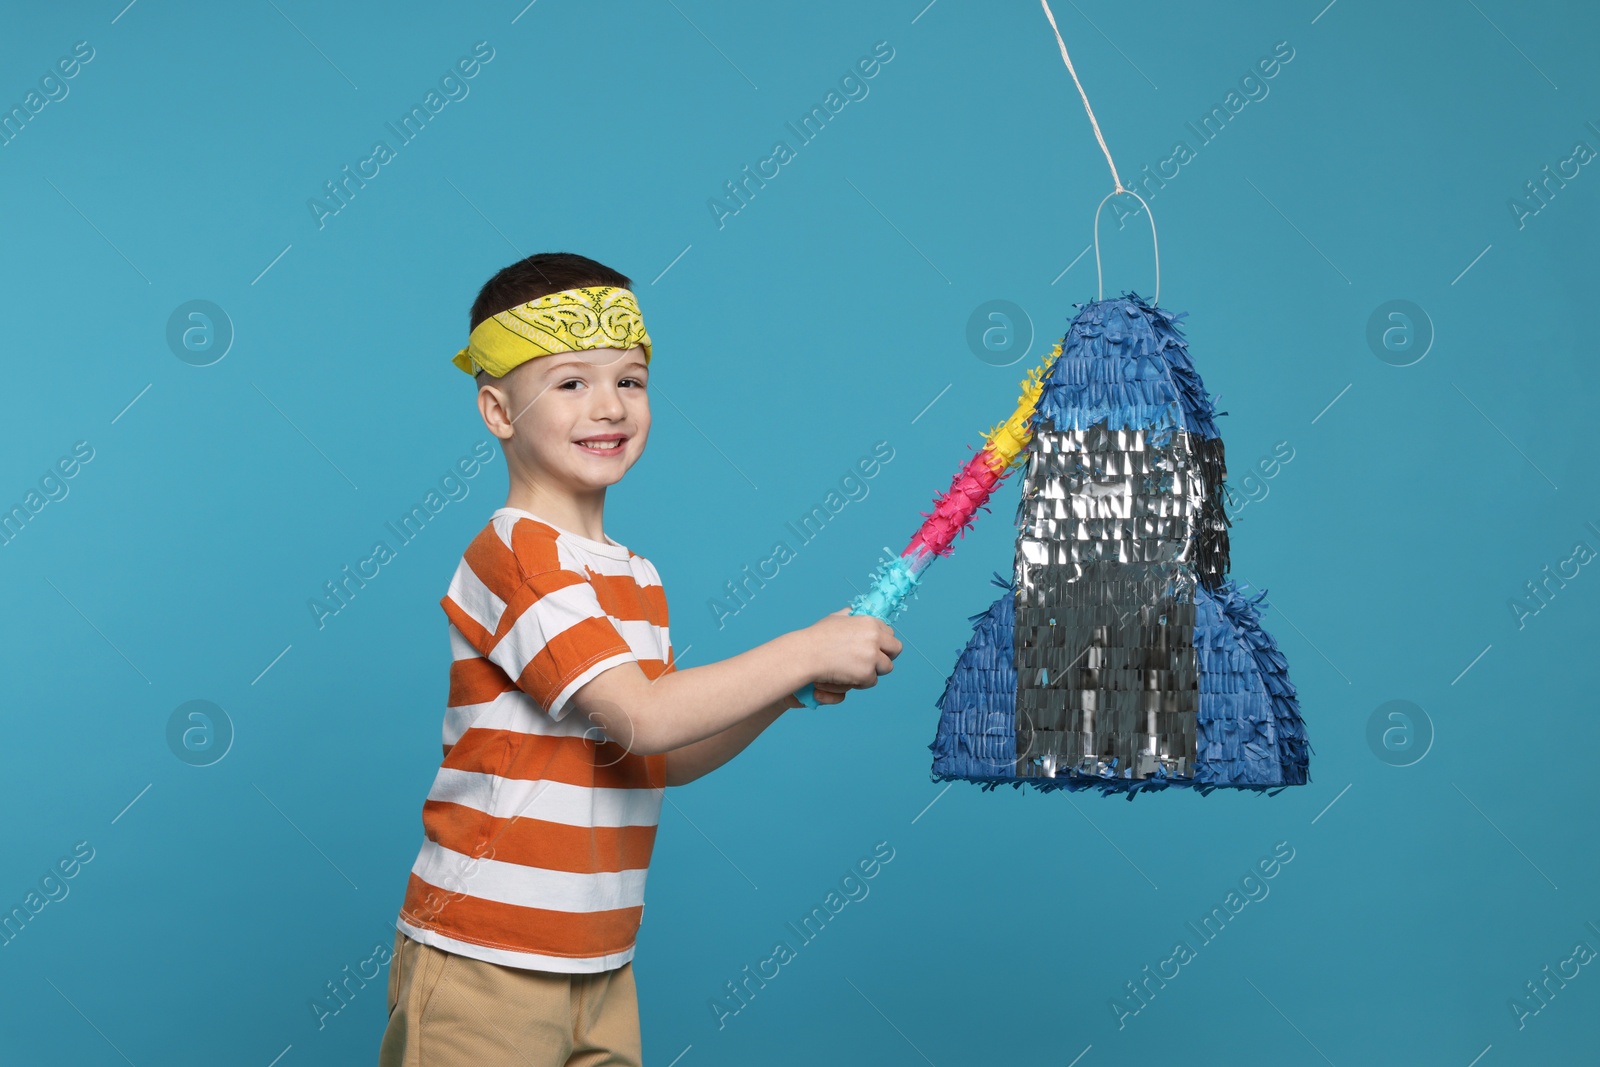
{"x": 1107, "y": 681}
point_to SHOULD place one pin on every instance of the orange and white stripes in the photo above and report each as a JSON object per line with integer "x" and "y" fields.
{"x": 539, "y": 828}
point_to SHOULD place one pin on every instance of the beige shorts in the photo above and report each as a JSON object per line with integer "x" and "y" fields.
{"x": 447, "y": 1010}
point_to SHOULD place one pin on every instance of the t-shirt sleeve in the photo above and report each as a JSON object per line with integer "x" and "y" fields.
{"x": 554, "y": 636}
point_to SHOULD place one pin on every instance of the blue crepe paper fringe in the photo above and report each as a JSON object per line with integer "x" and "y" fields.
{"x": 1293, "y": 747}
{"x": 1123, "y": 360}
{"x": 977, "y": 736}
{"x": 892, "y": 581}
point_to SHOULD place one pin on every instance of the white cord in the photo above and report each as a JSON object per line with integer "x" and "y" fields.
{"x": 1157, "y": 244}
{"x": 1116, "y": 180}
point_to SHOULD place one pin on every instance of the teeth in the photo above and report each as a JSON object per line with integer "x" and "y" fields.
{"x": 602, "y": 444}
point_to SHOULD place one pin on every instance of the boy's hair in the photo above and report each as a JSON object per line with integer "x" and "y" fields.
{"x": 539, "y": 275}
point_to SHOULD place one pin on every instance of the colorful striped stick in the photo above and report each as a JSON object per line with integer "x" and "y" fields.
{"x": 953, "y": 511}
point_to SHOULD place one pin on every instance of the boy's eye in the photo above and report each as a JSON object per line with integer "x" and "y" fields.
{"x": 580, "y": 381}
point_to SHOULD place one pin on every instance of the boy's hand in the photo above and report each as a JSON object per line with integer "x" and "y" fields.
{"x": 823, "y": 695}
{"x": 851, "y": 652}
{"x": 827, "y": 694}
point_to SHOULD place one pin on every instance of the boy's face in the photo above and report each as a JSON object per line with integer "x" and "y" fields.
{"x": 579, "y": 418}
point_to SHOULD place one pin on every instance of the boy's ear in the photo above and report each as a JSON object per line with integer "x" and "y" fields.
{"x": 495, "y": 407}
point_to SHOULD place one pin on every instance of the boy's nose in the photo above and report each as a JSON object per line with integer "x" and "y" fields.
{"x": 608, "y": 402}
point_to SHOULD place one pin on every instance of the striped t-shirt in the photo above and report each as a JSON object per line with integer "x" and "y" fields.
{"x": 538, "y": 826}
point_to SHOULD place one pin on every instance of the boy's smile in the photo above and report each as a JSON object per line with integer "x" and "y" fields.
{"x": 608, "y": 445}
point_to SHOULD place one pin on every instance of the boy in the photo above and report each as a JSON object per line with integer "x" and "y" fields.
{"x": 567, "y": 716}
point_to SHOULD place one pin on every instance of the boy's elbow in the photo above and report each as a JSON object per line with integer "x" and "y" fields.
{"x": 648, "y": 745}
{"x": 639, "y": 732}
{"x": 619, "y": 702}
{"x": 632, "y": 733}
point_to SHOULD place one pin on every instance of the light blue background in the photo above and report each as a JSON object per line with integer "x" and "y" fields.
{"x": 820, "y": 319}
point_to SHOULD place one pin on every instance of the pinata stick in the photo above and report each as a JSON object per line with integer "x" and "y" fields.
{"x": 953, "y": 511}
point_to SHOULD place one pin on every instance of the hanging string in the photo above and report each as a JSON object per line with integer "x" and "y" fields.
{"x": 1115, "y": 178}
{"x": 1068, "y": 60}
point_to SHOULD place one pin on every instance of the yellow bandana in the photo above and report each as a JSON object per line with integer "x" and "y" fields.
{"x": 573, "y": 320}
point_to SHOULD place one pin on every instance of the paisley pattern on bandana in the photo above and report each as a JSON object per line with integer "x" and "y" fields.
{"x": 573, "y": 320}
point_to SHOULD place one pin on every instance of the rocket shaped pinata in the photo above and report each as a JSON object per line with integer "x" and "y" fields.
{"x": 1121, "y": 656}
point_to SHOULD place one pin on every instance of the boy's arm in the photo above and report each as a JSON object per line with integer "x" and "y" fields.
{"x": 680, "y": 708}
{"x": 686, "y": 764}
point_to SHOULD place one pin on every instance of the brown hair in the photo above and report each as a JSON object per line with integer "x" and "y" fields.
{"x": 540, "y": 275}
